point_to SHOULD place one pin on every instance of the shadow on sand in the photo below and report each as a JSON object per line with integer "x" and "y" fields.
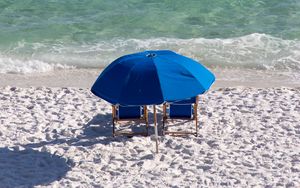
{"x": 28, "y": 168}
{"x": 96, "y": 131}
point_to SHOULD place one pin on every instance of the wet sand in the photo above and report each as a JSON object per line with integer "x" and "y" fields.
{"x": 84, "y": 78}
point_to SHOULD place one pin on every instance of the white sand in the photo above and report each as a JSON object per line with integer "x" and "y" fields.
{"x": 61, "y": 137}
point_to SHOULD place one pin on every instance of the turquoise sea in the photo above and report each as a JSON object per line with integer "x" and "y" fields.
{"x": 36, "y": 36}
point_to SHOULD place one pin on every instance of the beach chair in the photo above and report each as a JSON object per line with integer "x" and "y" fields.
{"x": 129, "y": 113}
{"x": 184, "y": 110}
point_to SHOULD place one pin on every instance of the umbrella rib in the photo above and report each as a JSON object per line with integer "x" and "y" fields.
{"x": 158, "y": 78}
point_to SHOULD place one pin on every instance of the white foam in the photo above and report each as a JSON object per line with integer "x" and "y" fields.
{"x": 9, "y": 65}
{"x": 255, "y": 51}
{"x": 259, "y": 51}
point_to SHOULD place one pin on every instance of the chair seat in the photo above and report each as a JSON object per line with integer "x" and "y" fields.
{"x": 181, "y": 111}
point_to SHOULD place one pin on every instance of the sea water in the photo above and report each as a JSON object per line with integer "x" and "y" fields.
{"x": 45, "y": 35}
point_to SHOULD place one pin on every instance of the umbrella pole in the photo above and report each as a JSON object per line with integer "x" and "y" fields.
{"x": 155, "y": 128}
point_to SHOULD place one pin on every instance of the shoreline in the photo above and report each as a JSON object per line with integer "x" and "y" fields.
{"x": 84, "y": 78}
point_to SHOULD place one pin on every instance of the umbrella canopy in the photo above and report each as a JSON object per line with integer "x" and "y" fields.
{"x": 152, "y": 77}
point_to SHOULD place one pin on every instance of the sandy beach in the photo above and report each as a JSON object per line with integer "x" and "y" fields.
{"x": 61, "y": 137}
{"x": 55, "y": 133}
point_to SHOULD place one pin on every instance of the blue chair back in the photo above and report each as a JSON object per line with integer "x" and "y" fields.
{"x": 181, "y": 111}
{"x": 129, "y": 112}
{"x": 182, "y": 108}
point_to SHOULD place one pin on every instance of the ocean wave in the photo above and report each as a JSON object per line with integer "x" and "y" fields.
{"x": 254, "y": 51}
{"x": 16, "y": 66}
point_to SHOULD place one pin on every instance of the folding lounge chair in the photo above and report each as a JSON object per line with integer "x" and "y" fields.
{"x": 129, "y": 113}
{"x": 185, "y": 110}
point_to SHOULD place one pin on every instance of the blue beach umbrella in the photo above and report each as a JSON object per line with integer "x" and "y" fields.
{"x": 152, "y": 77}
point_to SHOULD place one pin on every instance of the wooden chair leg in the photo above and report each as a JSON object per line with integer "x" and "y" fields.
{"x": 196, "y": 127}
{"x": 113, "y": 119}
{"x": 163, "y": 127}
{"x": 164, "y": 118}
{"x": 196, "y": 114}
{"x": 147, "y": 127}
{"x": 114, "y": 133}
{"x": 146, "y": 119}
